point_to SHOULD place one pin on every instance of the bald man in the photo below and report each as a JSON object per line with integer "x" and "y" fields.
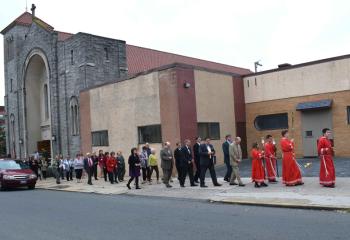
{"x": 235, "y": 152}
{"x": 166, "y": 156}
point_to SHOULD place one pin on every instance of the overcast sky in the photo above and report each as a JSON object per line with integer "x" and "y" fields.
{"x": 226, "y": 31}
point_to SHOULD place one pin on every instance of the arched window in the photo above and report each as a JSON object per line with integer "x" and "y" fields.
{"x": 46, "y": 102}
{"x": 12, "y": 136}
{"x": 71, "y": 57}
{"x": 271, "y": 121}
{"x": 74, "y": 115}
{"x": 106, "y": 53}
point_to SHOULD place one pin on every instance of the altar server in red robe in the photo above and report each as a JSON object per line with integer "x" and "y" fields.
{"x": 270, "y": 158}
{"x": 258, "y": 171}
{"x": 291, "y": 174}
{"x": 325, "y": 151}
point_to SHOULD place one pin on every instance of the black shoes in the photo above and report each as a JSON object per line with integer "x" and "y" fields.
{"x": 128, "y": 185}
{"x": 257, "y": 185}
{"x": 168, "y": 186}
{"x": 226, "y": 179}
{"x": 263, "y": 184}
{"x": 194, "y": 185}
{"x": 182, "y": 186}
{"x": 204, "y": 186}
{"x": 241, "y": 185}
{"x": 232, "y": 184}
{"x": 217, "y": 185}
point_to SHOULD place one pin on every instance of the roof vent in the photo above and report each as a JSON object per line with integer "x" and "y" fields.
{"x": 284, "y": 65}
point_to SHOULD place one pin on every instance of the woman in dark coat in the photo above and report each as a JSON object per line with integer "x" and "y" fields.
{"x": 134, "y": 168}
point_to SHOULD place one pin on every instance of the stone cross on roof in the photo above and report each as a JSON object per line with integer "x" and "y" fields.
{"x": 33, "y": 10}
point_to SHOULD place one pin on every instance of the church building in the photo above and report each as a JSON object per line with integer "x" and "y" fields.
{"x": 68, "y": 93}
{"x": 51, "y": 77}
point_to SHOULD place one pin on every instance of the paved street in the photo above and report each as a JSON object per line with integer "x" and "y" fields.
{"x": 55, "y": 215}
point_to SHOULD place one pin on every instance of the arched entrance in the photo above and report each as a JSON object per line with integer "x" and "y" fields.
{"x": 37, "y": 104}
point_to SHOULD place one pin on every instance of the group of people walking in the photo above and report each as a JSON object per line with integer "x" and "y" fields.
{"x": 194, "y": 161}
{"x": 110, "y": 166}
{"x": 264, "y": 161}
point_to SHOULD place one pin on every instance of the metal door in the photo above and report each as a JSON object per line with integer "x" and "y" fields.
{"x": 313, "y": 122}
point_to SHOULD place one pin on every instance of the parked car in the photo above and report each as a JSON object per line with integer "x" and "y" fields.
{"x": 16, "y": 173}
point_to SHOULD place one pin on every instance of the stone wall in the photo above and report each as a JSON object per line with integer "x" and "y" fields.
{"x": 96, "y": 60}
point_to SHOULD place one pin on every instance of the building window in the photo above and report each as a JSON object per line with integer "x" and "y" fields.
{"x": 46, "y": 102}
{"x": 271, "y": 122}
{"x": 308, "y": 134}
{"x": 348, "y": 111}
{"x": 106, "y": 54}
{"x": 11, "y": 85}
{"x": 9, "y": 48}
{"x": 100, "y": 138}
{"x": 71, "y": 57}
{"x": 12, "y": 136}
{"x": 248, "y": 82}
{"x": 209, "y": 130}
{"x": 74, "y": 115}
{"x": 150, "y": 134}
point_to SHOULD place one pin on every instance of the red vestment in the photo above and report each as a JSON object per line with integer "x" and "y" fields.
{"x": 258, "y": 172}
{"x": 291, "y": 174}
{"x": 327, "y": 171}
{"x": 270, "y": 161}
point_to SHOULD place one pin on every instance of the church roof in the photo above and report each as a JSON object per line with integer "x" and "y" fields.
{"x": 141, "y": 59}
{"x": 26, "y": 19}
{"x": 63, "y": 36}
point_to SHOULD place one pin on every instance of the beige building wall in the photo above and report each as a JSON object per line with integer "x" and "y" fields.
{"x": 341, "y": 129}
{"x": 121, "y": 107}
{"x": 215, "y": 103}
{"x": 313, "y": 79}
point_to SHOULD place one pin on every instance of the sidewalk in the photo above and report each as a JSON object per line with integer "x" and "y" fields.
{"x": 309, "y": 196}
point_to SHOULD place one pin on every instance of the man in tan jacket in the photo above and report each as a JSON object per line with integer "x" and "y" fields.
{"x": 235, "y": 152}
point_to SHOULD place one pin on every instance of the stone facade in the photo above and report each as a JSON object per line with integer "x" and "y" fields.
{"x": 73, "y": 64}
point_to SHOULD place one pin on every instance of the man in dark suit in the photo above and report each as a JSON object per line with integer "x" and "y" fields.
{"x": 95, "y": 161}
{"x": 225, "y": 149}
{"x": 207, "y": 161}
{"x": 178, "y": 158}
{"x": 197, "y": 159}
{"x": 89, "y": 167}
{"x": 187, "y": 164}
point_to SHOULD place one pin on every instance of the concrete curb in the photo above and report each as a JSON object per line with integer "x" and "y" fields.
{"x": 282, "y": 205}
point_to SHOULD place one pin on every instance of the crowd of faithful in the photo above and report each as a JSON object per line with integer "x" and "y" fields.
{"x": 193, "y": 161}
